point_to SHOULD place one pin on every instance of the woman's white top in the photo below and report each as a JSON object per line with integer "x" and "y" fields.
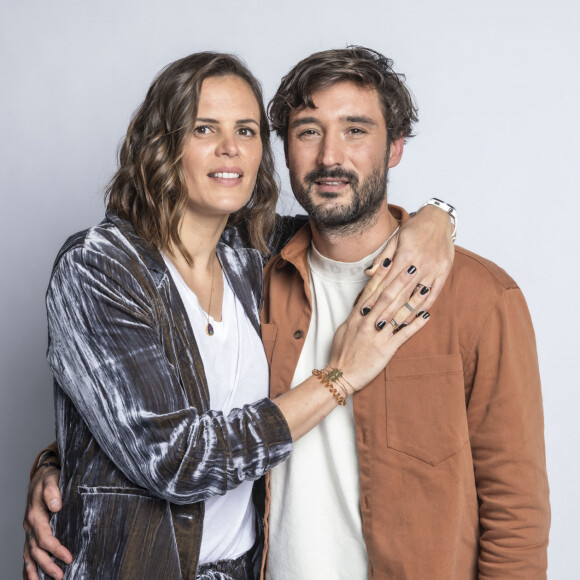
{"x": 237, "y": 373}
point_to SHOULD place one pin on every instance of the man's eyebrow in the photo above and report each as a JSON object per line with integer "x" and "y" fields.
{"x": 303, "y": 121}
{"x": 216, "y": 122}
{"x": 362, "y": 119}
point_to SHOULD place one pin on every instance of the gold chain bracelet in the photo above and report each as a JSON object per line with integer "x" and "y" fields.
{"x": 324, "y": 377}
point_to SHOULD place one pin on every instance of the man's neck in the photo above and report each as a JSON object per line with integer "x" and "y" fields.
{"x": 352, "y": 247}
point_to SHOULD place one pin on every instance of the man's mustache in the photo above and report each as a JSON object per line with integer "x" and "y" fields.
{"x": 337, "y": 173}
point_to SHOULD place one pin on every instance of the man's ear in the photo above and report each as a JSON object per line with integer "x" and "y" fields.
{"x": 396, "y": 151}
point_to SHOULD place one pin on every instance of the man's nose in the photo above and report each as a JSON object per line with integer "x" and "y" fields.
{"x": 331, "y": 150}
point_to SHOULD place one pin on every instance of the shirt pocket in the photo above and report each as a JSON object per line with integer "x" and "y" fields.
{"x": 269, "y": 334}
{"x": 425, "y": 401}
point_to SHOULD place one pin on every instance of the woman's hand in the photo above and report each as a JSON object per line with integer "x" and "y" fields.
{"x": 43, "y": 498}
{"x": 365, "y": 343}
{"x": 423, "y": 242}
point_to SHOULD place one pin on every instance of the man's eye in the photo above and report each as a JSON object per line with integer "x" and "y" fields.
{"x": 307, "y": 133}
{"x": 356, "y": 131}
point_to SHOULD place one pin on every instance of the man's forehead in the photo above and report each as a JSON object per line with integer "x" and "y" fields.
{"x": 344, "y": 101}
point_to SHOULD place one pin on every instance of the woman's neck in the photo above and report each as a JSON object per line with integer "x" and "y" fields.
{"x": 203, "y": 276}
{"x": 200, "y": 236}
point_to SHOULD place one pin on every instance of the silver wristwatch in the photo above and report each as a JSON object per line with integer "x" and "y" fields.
{"x": 449, "y": 209}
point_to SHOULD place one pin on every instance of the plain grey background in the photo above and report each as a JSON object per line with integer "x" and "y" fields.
{"x": 498, "y": 90}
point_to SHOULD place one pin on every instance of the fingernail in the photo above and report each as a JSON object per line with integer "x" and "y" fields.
{"x": 426, "y": 315}
{"x": 368, "y": 267}
{"x": 419, "y": 313}
{"x": 381, "y": 324}
{"x": 399, "y": 327}
{"x": 364, "y": 311}
{"x": 424, "y": 290}
{"x": 386, "y": 263}
{"x": 411, "y": 270}
{"x": 53, "y": 504}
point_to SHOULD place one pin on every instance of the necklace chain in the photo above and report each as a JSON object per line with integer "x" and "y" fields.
{"x": 209, "y": 327}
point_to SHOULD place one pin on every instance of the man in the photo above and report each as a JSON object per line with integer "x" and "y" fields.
{"x": 437, "y": 469}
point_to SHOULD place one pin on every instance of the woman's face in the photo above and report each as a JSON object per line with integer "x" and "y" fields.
{"x": 222, "y": 156}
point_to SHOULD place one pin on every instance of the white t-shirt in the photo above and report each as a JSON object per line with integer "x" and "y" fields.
{"x": 315, "y": 525}
{"x": 237, "y": 374}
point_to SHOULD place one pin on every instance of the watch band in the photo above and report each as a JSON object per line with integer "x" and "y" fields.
{"x": 447, "y": 208}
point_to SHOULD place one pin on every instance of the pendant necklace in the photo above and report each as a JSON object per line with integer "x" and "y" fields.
{"x": 209, "y": 328}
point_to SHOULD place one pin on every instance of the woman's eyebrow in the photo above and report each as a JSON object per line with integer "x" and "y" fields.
{"x": 216, "y": 121}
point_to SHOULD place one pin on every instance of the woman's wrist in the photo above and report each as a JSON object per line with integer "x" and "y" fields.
{"x": 335, "y": 380}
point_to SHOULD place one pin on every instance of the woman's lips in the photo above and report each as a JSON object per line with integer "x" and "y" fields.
{"x": 228, "y": 176}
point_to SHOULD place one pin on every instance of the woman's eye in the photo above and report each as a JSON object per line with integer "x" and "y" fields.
{"x": 246, "y": 132}
{"x": 202, "y": 130}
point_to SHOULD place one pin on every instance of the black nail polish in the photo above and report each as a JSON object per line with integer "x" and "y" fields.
{"x": 368, "y": 267}
{"x": 364, "y": 311}
{"x": 426, "y": 315}
{"x": 399, "y": 327}
{"x": 419, "y": 313}
{"x": 411, "y": 270}
{"x": 381, "y": 325}
{"x": 387, "y": 262}
{"x": 424, "y": 290}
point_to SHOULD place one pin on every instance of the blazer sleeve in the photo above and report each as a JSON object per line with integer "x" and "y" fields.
{"x": 507, "y": 439}
{"x": 106, "y": 353}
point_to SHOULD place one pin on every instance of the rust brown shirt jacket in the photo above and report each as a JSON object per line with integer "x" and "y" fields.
{"x": 450, "y": 435}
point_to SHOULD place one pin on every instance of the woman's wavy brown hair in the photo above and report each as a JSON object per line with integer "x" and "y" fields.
{"x": 149, "y": 188}
{"x": 357, "y": 64}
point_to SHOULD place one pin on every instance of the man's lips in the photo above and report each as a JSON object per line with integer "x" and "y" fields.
{"x": 331, "y": 184}
{"x": 332, "y": 181}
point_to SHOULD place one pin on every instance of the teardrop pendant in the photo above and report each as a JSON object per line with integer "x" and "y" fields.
{"x": 209, "y": 329}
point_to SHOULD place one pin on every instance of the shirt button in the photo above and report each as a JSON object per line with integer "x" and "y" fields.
{"x": 298, "y": 334}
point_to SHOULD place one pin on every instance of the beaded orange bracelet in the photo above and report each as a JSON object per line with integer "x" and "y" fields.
{"x": 326, "y": 379}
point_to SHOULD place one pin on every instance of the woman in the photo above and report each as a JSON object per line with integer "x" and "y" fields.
{"x": 160, "y": 378}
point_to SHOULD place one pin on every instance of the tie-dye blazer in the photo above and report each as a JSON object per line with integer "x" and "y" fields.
{"x": 139, "y": 445}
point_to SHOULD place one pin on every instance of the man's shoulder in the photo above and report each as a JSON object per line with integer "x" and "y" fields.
{"x": 480, "y": 272}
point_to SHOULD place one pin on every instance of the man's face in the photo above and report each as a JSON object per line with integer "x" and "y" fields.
{"x": 337, "y": 156}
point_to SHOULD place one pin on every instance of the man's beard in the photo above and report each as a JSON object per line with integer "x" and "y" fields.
{"x": 344, "y": 219}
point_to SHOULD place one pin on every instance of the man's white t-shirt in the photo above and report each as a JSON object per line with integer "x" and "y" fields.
{"x": 315, "y": 525}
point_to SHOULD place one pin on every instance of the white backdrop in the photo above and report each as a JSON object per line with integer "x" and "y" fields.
{"x": 498, "y": 90}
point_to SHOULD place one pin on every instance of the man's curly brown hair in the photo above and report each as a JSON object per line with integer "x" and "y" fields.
{"x": 356, "y": 64}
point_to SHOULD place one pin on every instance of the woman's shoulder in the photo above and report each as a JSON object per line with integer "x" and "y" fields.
{"x": 111, "y": 245}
